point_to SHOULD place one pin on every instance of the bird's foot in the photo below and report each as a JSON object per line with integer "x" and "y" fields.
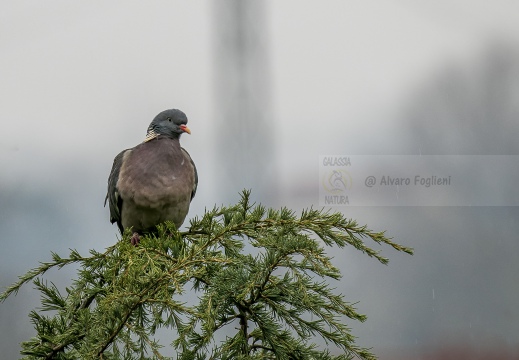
{"x": 135, "y": 239}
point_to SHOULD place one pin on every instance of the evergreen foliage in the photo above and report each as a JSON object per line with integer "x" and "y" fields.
{"x": 274, "y": 303}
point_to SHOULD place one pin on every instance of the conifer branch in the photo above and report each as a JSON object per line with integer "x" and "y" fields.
{"x": 279, "y": 298}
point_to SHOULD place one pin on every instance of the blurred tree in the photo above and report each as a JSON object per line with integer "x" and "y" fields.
{"x": 122, "y": 296}
{"x": 470, "y": 109}
{"x": 465, "y": 108}
{"x": 243, "y": 113}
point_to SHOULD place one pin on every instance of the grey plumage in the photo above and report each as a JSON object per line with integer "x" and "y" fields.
{"x": 154, "y": 181}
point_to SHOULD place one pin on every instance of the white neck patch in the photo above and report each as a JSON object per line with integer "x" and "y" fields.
{"x": 150, "y": 136}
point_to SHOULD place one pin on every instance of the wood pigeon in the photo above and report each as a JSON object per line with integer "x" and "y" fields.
{"x": 154, "y": 181}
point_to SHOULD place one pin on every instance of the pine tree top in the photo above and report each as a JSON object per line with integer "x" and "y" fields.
{"x": 259, "y": 274}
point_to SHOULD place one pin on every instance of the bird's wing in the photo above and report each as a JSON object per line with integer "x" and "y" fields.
{"x": 115, "y": 201}
{"x": 195, "y": 184}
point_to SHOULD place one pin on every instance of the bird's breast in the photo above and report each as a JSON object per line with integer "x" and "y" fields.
{"x": 156, "y": 181}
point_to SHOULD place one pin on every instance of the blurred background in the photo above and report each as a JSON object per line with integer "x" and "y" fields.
{"x": 268, "y": 87}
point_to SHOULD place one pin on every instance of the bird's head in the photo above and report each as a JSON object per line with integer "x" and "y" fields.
{"x": 170, "y": 123}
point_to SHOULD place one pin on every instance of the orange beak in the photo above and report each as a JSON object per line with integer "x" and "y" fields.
{"x": 185, "y": 129}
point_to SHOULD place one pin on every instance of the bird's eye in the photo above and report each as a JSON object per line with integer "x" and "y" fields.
{"x": 169, "y": 119}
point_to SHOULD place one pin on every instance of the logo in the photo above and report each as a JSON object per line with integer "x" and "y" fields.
{"x": 336, "y": 181}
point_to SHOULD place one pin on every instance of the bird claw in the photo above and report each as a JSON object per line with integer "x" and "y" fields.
{"x": 135, "y": 239}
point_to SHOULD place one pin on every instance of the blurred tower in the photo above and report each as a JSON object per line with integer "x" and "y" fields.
{"x": 244, "y": 126}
